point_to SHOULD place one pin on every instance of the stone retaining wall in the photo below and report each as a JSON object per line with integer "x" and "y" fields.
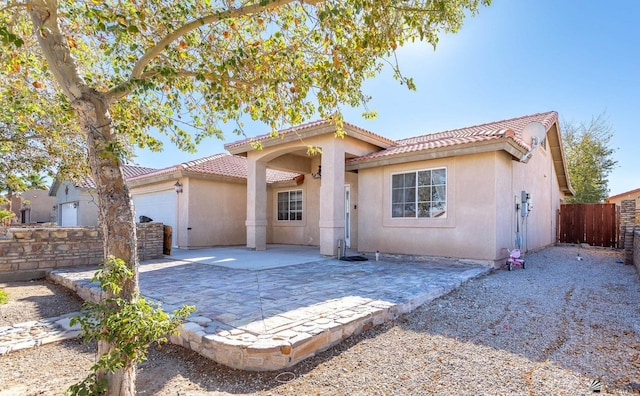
{"x": 27, "y": 253}
{"x": 636, "y": 251}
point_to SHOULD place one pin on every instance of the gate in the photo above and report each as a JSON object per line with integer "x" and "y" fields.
{"x": 595, "y": 224}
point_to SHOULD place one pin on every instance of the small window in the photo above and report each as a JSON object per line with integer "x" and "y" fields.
{"x": 290, "y": 205}
{"x": 420, "y": 194}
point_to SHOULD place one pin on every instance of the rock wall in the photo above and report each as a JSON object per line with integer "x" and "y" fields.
{"x": 27, "y": 253}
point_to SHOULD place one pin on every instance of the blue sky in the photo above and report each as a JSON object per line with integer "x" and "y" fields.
{"x": 516, "y": 57}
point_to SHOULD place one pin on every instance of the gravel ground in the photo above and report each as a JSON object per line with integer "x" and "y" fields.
{"x": 548, "y": 330}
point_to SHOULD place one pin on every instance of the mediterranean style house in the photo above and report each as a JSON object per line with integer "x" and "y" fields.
{"x": 470, "y": 193}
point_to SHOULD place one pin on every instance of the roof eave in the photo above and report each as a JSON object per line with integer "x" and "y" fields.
{"x": 559, "y": 163}
{"x": 241, "y": 148}
{"x": 508, "y": 145}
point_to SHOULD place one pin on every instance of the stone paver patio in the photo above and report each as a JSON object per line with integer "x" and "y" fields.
{"x": 269, "y": 317}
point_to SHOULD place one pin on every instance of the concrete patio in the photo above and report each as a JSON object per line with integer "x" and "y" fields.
{"x": 268, "y": 310}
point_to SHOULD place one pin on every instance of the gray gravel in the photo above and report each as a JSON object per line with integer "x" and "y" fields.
{"x": 548, "y": 330}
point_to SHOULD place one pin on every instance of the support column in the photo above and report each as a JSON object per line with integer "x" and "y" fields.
{"x": 627, "y": 228}
{"x": 256, "y": 204}
{"x": 332, "y": 196}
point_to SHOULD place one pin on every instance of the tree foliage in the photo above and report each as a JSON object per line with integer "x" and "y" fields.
{"x": 116, "y": 72}
{"x": 589, "y": 156}
{"x": 39, "y": 133}
{"x": 193, "y": 65}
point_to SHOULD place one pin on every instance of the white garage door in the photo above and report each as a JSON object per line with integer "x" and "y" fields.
{"x": 159, "y": 206}
{"x": 68, "y": 215}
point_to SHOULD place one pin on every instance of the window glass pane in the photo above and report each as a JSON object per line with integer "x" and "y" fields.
{"x": 423, "y": 209}
{"x": 396, "y": 210}
{"x": 397, "y": 195}
{"x": 439, "y": 176}
{"x": 424, "y": 194}
{"x": 439, "y": 209}
{"x": 410, "y": 194}
{"x": 424, "y": 178}
{"x": 410, "y": 210}
{"x": 439, "y": 193}
{"x": 410, "y": 179}
{"x": 397, "y": 181}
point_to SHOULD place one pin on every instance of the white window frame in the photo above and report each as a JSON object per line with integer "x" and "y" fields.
{"x": 416, "y": 203}
{"x": 289, "y": 210}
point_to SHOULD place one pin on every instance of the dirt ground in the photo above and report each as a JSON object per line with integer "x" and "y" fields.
{"x": 553, "y": 328}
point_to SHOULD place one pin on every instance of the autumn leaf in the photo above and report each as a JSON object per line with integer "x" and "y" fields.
{"x": 72, "y": 42}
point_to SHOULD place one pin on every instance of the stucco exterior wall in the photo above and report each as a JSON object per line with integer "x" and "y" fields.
{"x": 216, "y": 213}
{"x": 304, "y": 232}
{"x": 469, "y": 229}
{"x": 482, "y": 192}
{"x": 87, "y": 203}
{"x": 539, "y": 179}
{"x": 39, "y": 206}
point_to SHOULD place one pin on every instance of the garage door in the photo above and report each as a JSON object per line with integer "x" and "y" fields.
{"x": 69, "y": 215}
{"x": 159, "y": 206}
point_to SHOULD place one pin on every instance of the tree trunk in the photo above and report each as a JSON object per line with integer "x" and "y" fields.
{"x": 114, "y": 202}
{"x": 115, "y": 214}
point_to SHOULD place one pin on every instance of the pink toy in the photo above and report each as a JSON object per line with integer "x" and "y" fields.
{"x": 514, "y": 259}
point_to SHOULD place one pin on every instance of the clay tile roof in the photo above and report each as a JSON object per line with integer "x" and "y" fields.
{"x": 232, "y": 166}
{"x": 301, "y": 128}
{"x": 219, "y": 164}
{"x": 130, "y": 172}
{"x": 511, "y": 128}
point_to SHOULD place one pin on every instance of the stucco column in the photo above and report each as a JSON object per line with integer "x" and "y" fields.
{"x": 332, "y": 196}
{"x": 256, "y": 205}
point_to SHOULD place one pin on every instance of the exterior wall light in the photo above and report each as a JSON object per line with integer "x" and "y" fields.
{"x": 178, "y": 187}
{"x": 319, "y": 174}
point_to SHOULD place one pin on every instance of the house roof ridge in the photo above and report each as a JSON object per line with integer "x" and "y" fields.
{"x": 197, "y": 161}
{"x": 449, "y": 132}
{"x": 304, "y": 126}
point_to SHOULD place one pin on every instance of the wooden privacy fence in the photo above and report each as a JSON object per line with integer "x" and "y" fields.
{"x": 595, "y": 224}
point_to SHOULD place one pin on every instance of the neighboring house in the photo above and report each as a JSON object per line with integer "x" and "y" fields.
{"x": 633, "y": 195}
{"x": 628, "y": 195}
{"x": 77, "y": 203}
{"x": 36, "y": 206}
{"x": 468, "y": 193}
